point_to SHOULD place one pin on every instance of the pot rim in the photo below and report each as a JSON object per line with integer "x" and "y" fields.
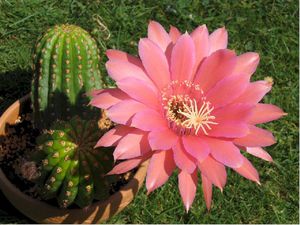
{"x": 43, "y": 212}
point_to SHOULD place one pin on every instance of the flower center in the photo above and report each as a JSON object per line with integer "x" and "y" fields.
{"x": 186, "y": 108}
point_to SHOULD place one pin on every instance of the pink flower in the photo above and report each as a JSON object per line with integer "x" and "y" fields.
{"x": 187, "y": 102}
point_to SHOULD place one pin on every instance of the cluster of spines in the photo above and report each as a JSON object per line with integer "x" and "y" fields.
{"x": 71, "y": 169}
{"x": 66, "y": 66}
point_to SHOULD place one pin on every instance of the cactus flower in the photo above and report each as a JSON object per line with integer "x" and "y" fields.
{"x": 186, "y": 103}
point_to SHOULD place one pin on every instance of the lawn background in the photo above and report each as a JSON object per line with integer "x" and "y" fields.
{"x": 269, "y": 27}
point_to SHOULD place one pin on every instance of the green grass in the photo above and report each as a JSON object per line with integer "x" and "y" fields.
{"x": 264, "y": 26}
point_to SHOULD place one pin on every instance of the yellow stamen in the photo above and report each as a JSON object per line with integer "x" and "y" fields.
{"x": 197, "y": 119}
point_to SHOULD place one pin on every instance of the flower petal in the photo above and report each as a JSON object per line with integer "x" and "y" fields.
{"x": 182, "y": 159}
{"x": 132, "y": 145}
{"x": 225, "y": 152}
{"x": 155, "y": 62}
{"x": 174, "y": 34}
{"x": 112, "y": 137}
{"x": 207, "y": 190}
{"x": 229, "y": 129}
{"x": 246, "y": 63}
{"x": 218, "y": 40}
{"x": 227, "y": 90}
{"x": 162, "y": 139}
{"x": 196, "y": 147}
{"x": 183, "y": 58}
{"x": 248, "y": 171}
{"x": 125, "y": 166}
{"x": 108, "y": 97}
{"x": 160, "y": 168}
{"x": 113, "y": 54}
{"x": 260, "y": 153}
{"x": 149, "y": 120}
{"x": 214, "y": 171}
{"x": 254, "y": 92}
{"x": 123, "y": 111}
{"x": 239, "y": 112}
{"x": 214, "y": 68}
{"x": 140, "y": 91}
{"x": 119, "y": 70}
{"x": 187, "y": 187}
{"x": 256, "y": 137}
{"x": 201, "y": 39}
{"x": 168, "y": 53}
{"x": 263, "y": 113}
{"x": 158, "y": 35}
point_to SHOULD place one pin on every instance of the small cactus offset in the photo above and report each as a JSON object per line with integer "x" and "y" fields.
{"x": 72, "y": 170}
{"x": 66, "y": 67}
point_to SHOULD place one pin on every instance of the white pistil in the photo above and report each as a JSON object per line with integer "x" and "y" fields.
{"x": 197, "y": 119}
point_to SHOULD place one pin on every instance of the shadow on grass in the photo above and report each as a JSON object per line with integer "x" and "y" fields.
{"x": 13, "y": 85}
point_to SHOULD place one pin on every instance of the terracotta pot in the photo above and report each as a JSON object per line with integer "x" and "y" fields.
{"x": 42, "y": 212}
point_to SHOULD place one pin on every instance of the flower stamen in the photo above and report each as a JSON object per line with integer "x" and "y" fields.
{"x": 197, "y": 119}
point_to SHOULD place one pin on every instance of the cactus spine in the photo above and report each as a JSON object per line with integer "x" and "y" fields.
{"x": 66, "y": 66}
{"x": 72, "y": 170}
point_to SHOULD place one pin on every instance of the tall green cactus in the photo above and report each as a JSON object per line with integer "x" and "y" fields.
{"x": 66, "y": 66}
{"x": 72, "y": 170}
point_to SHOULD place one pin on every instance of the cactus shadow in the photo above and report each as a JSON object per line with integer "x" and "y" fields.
{"x": 59, "y": 107}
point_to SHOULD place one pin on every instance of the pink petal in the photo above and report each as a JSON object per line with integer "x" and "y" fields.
{"x": 160, "y": 169}
{"x": 155, "y": 62}
{"x": 227, "y": 90}
{"x": 94, "y": 93}
{"x": 207, "y": 190}
{"x": 119, "y": 70}
{"x": 214, "y": 171}
{"x": 125, "y": 166}
{"x": 201, "y": 39}
{"x": 254, "y": 92}
{"x": 113, "y": 54}
{"x": 260, "y": 153}
{"x": 162, "y": 139}
{"x": 183, "y": 58}
{"x": 158, "y": 35}
{"x": 225, "y": 152}
{"x": 182, "y": 159}
{"x": 248, "y": 171}
{"x": 108, "y": 97}
{"x": 256, "y": 137}
{"x": 140, "y": 91}
{"x": 112, "y": 137}
{"x": 132, "y": 145}
{"x": 174, "y": 34}
{"x": 263, "y": 113}
{"x": 214, "y": 68}
{"x": 187, "y": 187}
{"x": 235, "y": 112}
{"x": 196, "y": 147}
{"x": 246, "y": 63}
{"x": 168, "y": 52}
{"x": 123, "y": 111}
{"x": 229, "y": 129}
{"x": 149, "y": 120}
{"x": 218, "y": 40}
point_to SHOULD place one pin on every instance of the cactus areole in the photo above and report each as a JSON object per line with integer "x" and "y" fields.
{"x": 71, "y": 169}
{"x": 66, "y": 67}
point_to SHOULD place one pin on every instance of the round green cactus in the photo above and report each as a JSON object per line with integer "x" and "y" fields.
{"x": 72, "y": 170}
{"x": 66, "y": 67}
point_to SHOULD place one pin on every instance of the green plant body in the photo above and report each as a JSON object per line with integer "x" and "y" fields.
{"x": 66, "y": 69}
{"x": 71, "y": 169}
